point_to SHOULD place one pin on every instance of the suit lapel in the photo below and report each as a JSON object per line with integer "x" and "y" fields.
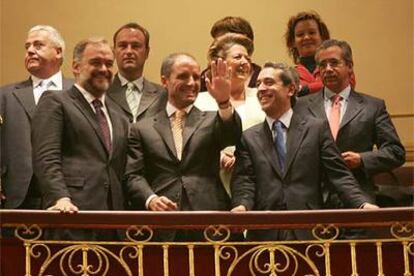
{"x": 193, "y": 121}
{"x": 316, "y": 106}
{"x": 117, "y": 94}
{"x": 163, "y": 127}
{"x": 116, "y": 126}
{"x": 84, "y": 107}
{"x": 295, "y": 136}
{"x": 264, "y": 140}
{"x": 355, "y": 106}
{"x": 149, "y": 95}
{"x": 24, "y": 93}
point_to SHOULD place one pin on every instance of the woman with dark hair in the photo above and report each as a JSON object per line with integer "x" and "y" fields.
{"x": 305, "y": 33}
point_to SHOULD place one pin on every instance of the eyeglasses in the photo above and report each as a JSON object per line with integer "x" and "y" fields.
{"x": 331, "y": 62}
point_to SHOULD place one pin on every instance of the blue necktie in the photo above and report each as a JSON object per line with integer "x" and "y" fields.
{"x": 280, "y": 144}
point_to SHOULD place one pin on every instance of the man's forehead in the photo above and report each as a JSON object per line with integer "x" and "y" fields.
{"x": 38, "y": 35}
{"x": 269, "y": 72}
{"x": 183, "y": 62}
{"x": 95, "y": 50}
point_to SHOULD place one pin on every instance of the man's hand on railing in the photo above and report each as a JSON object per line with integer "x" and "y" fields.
{"x": 162, "y": 203}
{"x": 240, "y": 208}
{"x": 369, "y": 206}
{"x": 65, "y": 205}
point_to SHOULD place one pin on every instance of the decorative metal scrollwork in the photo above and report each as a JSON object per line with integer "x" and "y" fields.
{"x": 217, "y": 233}
{"x": 136, "y": 233}
{"x": 325, "y": 232}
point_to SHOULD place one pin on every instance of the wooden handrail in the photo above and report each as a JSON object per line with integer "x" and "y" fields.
{"x": 278, "y": 219}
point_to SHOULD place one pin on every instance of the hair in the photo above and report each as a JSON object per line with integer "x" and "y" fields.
{"x": 169, "y": 61}
{"x": 288, "y": 75}
{"x": 290, "y": 32}
{"x": 81, "y": 46}
{"x": 345, "y": 47}
{"x": 54, "y": 36}
{"x": 135, "y": 26}
{"x": 220, "y": 46}
{"x": 232, "y": 24}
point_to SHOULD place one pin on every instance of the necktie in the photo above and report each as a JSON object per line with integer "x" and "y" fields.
{"x": 42, "y": 87}
{"x": 103, "y": 123}
{"x": 335, "y": 116}
{"x": 280, "y": 144}
{"x": 177, "y": 130}
{"x": 131, "y": 99}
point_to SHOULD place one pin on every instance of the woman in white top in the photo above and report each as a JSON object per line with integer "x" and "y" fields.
{"x": 236, "y": 50}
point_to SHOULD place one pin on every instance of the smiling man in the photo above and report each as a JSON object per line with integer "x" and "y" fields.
{"x": 173, "y": 158}
{"x": 137, "y": 96}
{"x": 80, "y": 140}
{"x": 45, "y": 50}
{"x": 279, "y": 163}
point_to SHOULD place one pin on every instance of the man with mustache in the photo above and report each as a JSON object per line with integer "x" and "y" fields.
{"x": 360, "y": 124}
{"x": 137, "y": 96}
{"x": 279, "y": 163}
{"x": 173, "y": 157}
{"x": 45, "y": 50}
{"x": 80, "y": 140}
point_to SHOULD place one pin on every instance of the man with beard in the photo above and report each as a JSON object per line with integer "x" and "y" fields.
{"x": 173, "y": 157}
{"x": 80, "y": 140}
{"x": 279, "y": 163}
{"x": 360, "y": 124}
{"x": 45, "y": 50}
{"x": 137, "y": 96}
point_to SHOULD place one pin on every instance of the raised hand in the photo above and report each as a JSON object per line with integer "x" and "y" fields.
{"x": 220, "y": 84}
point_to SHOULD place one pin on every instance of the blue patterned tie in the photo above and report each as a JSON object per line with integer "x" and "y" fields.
{"x": 280, "y": 144}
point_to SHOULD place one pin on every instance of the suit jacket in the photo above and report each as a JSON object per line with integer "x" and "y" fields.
{"x": 258, "y": 183}
{"x": 153, "y": 166}
{"x": 366, "y": 124}
{"x": 69, "y": 153}
{"x": 17, "y": 107}
{"x": 153, "y": 99}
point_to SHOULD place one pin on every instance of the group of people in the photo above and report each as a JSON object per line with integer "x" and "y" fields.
{"x": 271, "y": 138}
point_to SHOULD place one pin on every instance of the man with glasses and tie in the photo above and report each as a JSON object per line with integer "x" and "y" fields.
{"x": 173, "y": 158}
{"x": 279, "y": 162}
{"x": 359, "y": 123}
{"x": 45, "y": 50}
{"x": 137, "y": 96}
{"x": 80, "y": 140}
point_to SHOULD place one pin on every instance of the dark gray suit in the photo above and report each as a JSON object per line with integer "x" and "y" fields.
{"x": 69, "y": 154}
{"x": 365, "y": 124}
{"x": 154, "y": 98}
{"x": 258, "y": 183}
{"x": 17, "y": 107}
{"x": 153, "y": 166}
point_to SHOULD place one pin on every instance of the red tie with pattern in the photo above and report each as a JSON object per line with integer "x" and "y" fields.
{"x": 103, "y": 123}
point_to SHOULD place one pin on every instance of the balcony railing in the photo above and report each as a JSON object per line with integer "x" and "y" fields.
{"x": 388, "y": 251}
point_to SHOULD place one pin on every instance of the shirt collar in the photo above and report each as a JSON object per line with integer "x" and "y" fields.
{"x": 56, "y": 79}
{"x": 285, "y": 119}
{"x": 88, "y": 96}
{"x": 139, "y": 83}
{"x": 328, "y": 94}
{"x": 172, "y": 109}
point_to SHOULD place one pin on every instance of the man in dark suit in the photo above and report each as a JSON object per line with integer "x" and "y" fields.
{"x": 44, "y": 57}
{"x": 279, "y": 163}
{"x": 137, "y": 96}
{"x": 80, "y": 138}
{"x": 174, "y": 167}
{"x": 363, "y": 131}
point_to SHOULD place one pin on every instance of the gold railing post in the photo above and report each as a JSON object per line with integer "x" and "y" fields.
{"x": 165, "y": 259}
{"x": 353, "y": 259}
{"x": 379, "y": 259}
{"x": 191, "y": 259}
{"x": 28, "y": 264}
{"x": 406, "y": 260}
{"x": 327, "y": 258}
{"x": 217, "y": 260}
{"x": 85, "y": 260}
{"x": 140, "y": 260}
{"x": 272, "y": 267}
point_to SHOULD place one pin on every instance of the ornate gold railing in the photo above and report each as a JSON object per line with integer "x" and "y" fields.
{"x": 389, "y": 252}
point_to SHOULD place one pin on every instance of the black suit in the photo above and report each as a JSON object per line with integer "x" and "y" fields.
{"x": 17, "y": 107}
{"x": 154, "y": 98}
{"x": 258, "y": 183}
{"x": 366, "y": 124}
{"x": 153, "y": 166}
{"x": 69, "y": 153}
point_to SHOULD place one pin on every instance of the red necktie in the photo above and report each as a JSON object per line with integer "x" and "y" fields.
{"x": 335, "y": 116}
{"x": 103, "y": 123}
